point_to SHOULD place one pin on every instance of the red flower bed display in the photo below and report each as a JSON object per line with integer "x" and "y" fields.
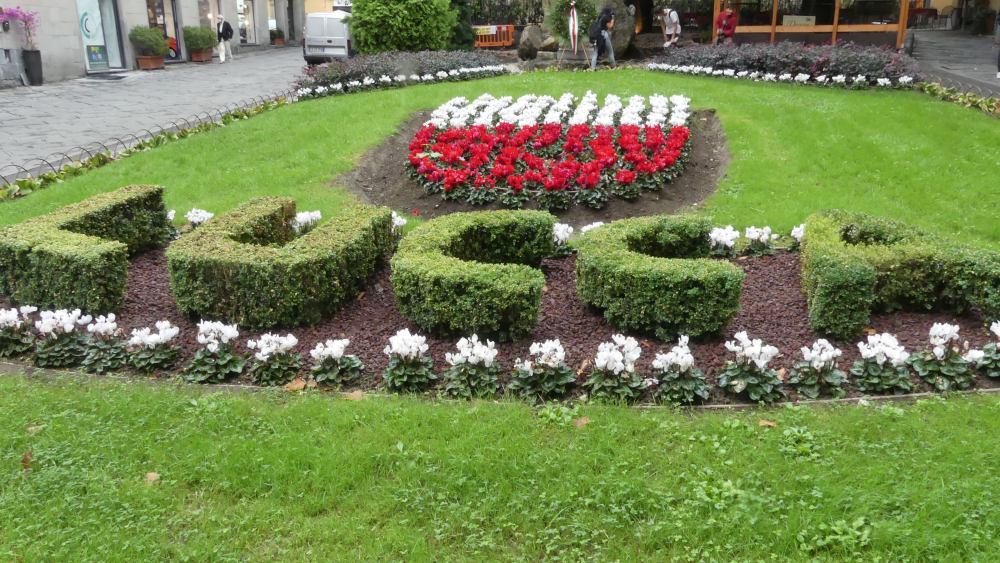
{"x": 556, "y": 163}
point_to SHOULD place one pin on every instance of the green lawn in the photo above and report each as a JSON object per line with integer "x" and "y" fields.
{"x": 795, "y": 150}
{"x": 264, "y": 476}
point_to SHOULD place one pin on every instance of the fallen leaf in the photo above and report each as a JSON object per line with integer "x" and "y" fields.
{"x": 767, "y": 423}
{"x": 545, "y": 288}
{"x": 152, "y": 477}
{"x": 870, "y": 331}
{"x": 35, "y": 429}
{"x": 581, "y": 422}
{"x": 26, "y": 461}
{"x": 296, "y": 384}
{"x": 583, "y": 367}
{"x": 781, "y": 374}
{"x": 311, "y": 383}
{"x": 361, "y": 296}
{"x": 355, "y": 396}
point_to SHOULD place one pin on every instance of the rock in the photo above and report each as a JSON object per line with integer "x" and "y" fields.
{"x": 550, "y": 44}
{"x": 531, "y": 40}
{"x": 624, "y": 31}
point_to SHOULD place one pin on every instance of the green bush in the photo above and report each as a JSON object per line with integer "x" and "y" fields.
{"x": 651, "y": 275}
{"x": 474, "y": 273}
{"x": 557, "y": 18}
{"x": 77, "y": 257}
{"x": 247, "y": 266}
{"x": 461, "y": 34}
{"x": 149, "y": 41}
{"x": 199, "y": 38}
{"x": 401, "y": 25}
{"x": 854, "y": 263}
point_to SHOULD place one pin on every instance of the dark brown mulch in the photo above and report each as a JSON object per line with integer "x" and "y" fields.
{"x": 772, "y": 308}
{"x": 380, "y": 178}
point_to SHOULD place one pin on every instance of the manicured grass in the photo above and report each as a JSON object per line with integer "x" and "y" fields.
{"x": 795, "y": 150}
{"x": 266, "y": 476}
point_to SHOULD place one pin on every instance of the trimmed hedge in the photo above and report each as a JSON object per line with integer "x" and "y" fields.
{"x": 248, "y": 267}
{"x": 652, "y": 275}
{"x": 77, "y": 256}
{"x": 474, "y": 272}
{"x": 854, "y": 263}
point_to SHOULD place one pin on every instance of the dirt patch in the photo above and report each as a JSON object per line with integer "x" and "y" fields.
{"x": 381, "y": 179}
{"x": 771, "y": 308}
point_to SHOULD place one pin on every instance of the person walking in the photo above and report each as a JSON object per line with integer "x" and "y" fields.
{"x": 670, "y": 24}
{"x": 600, "y": 37}
{"x": 224, "y": 32}
{"x": 725, "y": 26}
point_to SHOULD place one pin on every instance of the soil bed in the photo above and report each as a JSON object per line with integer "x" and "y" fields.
{"x": 381, "y": 178}
{"x": 772, "y": 308}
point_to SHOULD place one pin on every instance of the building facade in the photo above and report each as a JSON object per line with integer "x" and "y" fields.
{"x": 80, "y": 37}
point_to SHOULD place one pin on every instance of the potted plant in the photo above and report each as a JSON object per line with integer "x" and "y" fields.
{"x": 151, "y": 46}
{"x": 277, "y": 37}
{"x": 30, "y": 56}
{"x": 199, "y": 42}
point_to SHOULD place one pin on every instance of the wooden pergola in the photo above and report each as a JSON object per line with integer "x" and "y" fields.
{"x": 898, "y": 28}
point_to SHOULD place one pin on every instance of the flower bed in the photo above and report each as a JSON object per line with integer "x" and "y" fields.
{"x": 856, "y": 82}
{"x": 555, "y": 151}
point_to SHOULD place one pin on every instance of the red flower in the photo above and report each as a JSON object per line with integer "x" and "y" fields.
{"x": 625, "y": 176}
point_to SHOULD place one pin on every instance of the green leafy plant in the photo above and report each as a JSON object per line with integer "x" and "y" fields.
{"x": 216, "y": 361}
{"x": 943, "y": 366}
{"x": 331, "y": 366}
{"x": 817, "y": 374}
{"x": 16, "y": 338}
{"x": 882, "y": 367}
{"x": 749, "y": 375}
{"x": 546, "y": 376}
{"x": 409, "y": 369}
{"x": 473, "y": 373}
{"x": 106, "y": 350}
{"x": 152, "y": 351}
{"x": 61, "y": 344}
{"x": 799, "y": 443}
{"x": 275, "y": 362}
{"x": 840, "y": 538}
{"x": 558, "y": 414}
{"x": 149, "y": 41}
{"x": 199, "y": 38}
{"x": 989, "y": 361}
{"x": 402, "y": 25}
{"x": 614, "y": 378}
{"x": 676, "y": 381}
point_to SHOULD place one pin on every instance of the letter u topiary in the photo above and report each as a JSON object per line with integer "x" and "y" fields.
{"x": 474, "y": 272}
{"x": 854, "y": 263}
{"x": 652, "y": 275}
{"x": 248, "y": 267}
{"x": 77, "y": 256}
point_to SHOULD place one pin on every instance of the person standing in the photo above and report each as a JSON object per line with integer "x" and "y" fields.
{"x": 725, "y": 26}
{"x": 600, "y": 37}
{"x": 224, "y": 32}
{"x": 670, "y": 24}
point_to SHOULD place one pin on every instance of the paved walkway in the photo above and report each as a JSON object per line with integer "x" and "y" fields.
{"x": 958, "y": 59}
{"x": 40, "y": 121}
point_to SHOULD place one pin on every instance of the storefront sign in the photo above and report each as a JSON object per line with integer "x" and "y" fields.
{"x": 97, "y": 57}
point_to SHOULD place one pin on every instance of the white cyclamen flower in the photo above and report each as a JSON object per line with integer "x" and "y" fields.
{"x": 679, "y": 358}
{"x": 905, "y": 80}
{"x": 724, "y": 238}
{"x": 397, "y": 222}
{"x": 822, "y": 355}
{"x": 406, "y": 346}
{"x": 146, "y": 338}
{"x": 305, "y": 219}
{"x": 995, "y": 328}
{"x": 618, "y": 356}
{"x": 270, "y": 344}
{"x": 941, "y": 334}
{"x": 331, "y": 349}
{"x": 882, "y": 348}
{"x": 561, "y": 233}
{"x": 549, "y": 353}
{"x": 61, "y": 321}
{"x": 591, "y": 227}
{"x": 10, "y": 319}
{"x": 798, "y": 233}
{"x": 751, "y": 351}
{"x": 762, "y": 234}
{"x": 198, "y": 216}
{"x": 103, "y": 325}
{"x": 212, "y": 334}
{"x": 974, "y": 356}
{"x": 473, "y": 352}
{"x": 171, "y": 214}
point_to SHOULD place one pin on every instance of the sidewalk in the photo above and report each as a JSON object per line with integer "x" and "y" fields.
{"x": 38, "y": 122}
{"x": 958, "y": 59}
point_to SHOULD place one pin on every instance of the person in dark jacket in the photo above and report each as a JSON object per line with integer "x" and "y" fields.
{"x": 600, "y": 37}
{"x": 224, "y": 32}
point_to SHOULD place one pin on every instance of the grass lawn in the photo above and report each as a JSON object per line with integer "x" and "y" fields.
{"x": 795, "y": 150}
{"x": 262, "y": 476}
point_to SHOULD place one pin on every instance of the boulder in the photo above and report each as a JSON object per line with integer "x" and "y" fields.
{"x": 531, "y": 41}
{"x": 624, "y": 31}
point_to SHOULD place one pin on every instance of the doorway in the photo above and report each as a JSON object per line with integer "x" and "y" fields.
{"x": 163, "y": 14}
{"x": 102, "y": 45}
{"x": 248, "y": 27}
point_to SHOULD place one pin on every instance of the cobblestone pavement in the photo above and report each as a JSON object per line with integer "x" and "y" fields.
{"x": 37, "y": 122}
{"x": 959, "y": 59}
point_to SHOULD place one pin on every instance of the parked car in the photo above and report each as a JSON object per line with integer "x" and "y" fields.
{"x": 326, "y": 37}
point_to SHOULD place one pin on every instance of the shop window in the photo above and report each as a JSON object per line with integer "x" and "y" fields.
{"x": 248, "y": 28}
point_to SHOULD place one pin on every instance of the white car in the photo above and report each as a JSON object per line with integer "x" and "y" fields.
{"x": 327, "y": 36}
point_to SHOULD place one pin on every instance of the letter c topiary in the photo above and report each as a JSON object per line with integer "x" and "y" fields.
{"x": 474, "y": 272}
{"x": 651, "y": 275}
{"x": 248, "y": 267}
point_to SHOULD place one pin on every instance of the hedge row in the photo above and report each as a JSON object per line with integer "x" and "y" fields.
{"x": 652, "y": 275}
{"x": 854, "y": 263}
{"x": 77, "y": 257}
{"x": 248, "y": 267}
{"x": 474, "y": 272}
